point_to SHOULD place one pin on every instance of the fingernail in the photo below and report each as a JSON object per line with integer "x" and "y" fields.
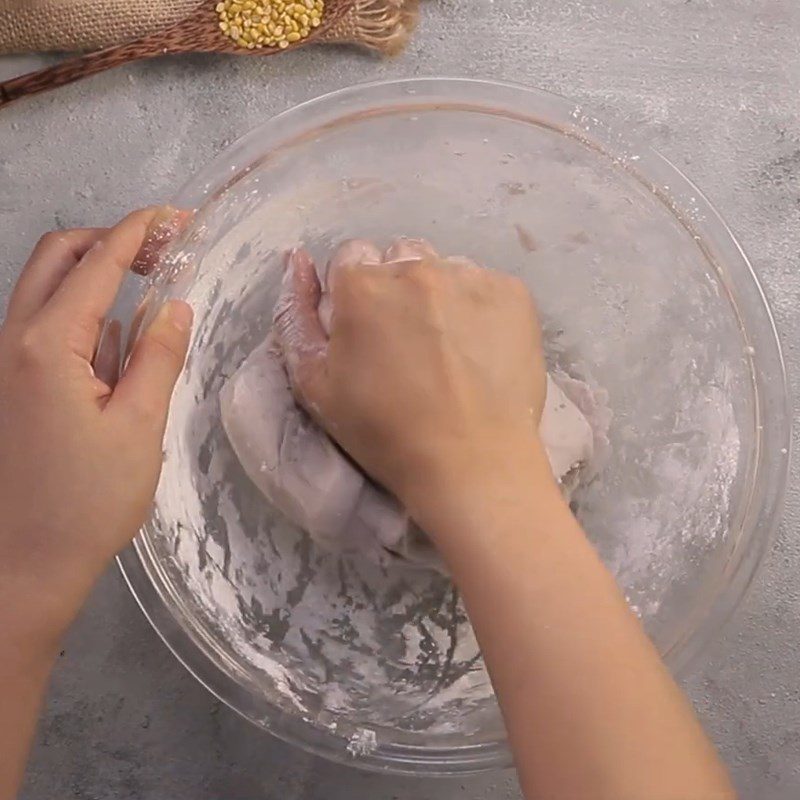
{"x": 179, "y": 314}
{"x": 162, "y": 213}
{"x": 162, "y": 224}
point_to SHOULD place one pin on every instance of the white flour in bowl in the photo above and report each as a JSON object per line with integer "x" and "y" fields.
{"x": 349, "y": 645}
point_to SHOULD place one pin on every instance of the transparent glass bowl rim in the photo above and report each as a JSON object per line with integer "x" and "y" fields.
{"x": 527, "y": 104}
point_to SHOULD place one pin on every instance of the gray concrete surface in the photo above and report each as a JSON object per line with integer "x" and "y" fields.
{"x": 715, "y": 84}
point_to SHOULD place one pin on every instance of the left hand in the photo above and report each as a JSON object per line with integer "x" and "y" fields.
{"x": 81, "y": 451}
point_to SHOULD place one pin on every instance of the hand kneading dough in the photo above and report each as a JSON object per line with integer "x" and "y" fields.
{"x": 314, "y": 484}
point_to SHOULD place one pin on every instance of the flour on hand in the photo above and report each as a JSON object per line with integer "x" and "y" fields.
{"x": 305, "y": 475}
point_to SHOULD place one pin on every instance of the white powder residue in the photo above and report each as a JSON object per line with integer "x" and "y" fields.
{"x": 360, "y": 652}
{"x": 392, "y": 649}
{"x": 362, "y": 743}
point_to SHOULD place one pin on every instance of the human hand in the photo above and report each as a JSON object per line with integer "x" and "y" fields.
{"x": 433, "y": 368}
{"x": 81, "y": 449}
{"x": 433, "y": 379}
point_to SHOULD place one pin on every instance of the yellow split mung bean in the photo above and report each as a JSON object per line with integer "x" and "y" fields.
{"x": 255, "y": 24}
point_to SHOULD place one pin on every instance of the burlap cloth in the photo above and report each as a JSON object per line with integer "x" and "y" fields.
{"x": 35, "y": 25}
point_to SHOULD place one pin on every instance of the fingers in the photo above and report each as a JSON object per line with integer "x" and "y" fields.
{"x": 106, "y": 362}
{"x": 461, "y": 262}
{"x": 53, "y": 257}
{"x": 89, "y": 290}
{"x": 352, "y": 252}
{"x": 139, "y": 316}
{"x": 297, "y": 325}
{"x": 404, "y": 249}
{"x": 349, "y": 253}
{"x": 146, "y": 386}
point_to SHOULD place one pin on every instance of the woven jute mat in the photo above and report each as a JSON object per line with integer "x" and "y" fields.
{"x": 41, "y": 25}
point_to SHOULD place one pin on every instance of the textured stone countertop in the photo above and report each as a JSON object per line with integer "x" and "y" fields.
{"x": 715, "y": 84}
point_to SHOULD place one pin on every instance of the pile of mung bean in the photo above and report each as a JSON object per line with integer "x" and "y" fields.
{"x": 269, "y": 23}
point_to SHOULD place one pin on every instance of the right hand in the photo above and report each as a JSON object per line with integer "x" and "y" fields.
{"x": 434, "y": 367}
{"x": 433, "y": 380}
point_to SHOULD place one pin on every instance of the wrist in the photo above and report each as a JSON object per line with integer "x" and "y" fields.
{"x": 30, "y": 627}
{"x": 500, "y": 518}
{"x": 477, "y": 480}
{"x": 38, "y": 603}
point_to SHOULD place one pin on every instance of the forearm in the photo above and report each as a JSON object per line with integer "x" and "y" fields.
{"x": 30, "y": 645}
{"x": 591, "y": 710}
{"x": 82, "y": 445}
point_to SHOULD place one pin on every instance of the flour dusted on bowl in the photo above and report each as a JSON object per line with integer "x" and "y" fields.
{"x": 320, "y": 645}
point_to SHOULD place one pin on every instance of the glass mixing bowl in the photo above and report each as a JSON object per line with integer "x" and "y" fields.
{"x": 643, "y": 292}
